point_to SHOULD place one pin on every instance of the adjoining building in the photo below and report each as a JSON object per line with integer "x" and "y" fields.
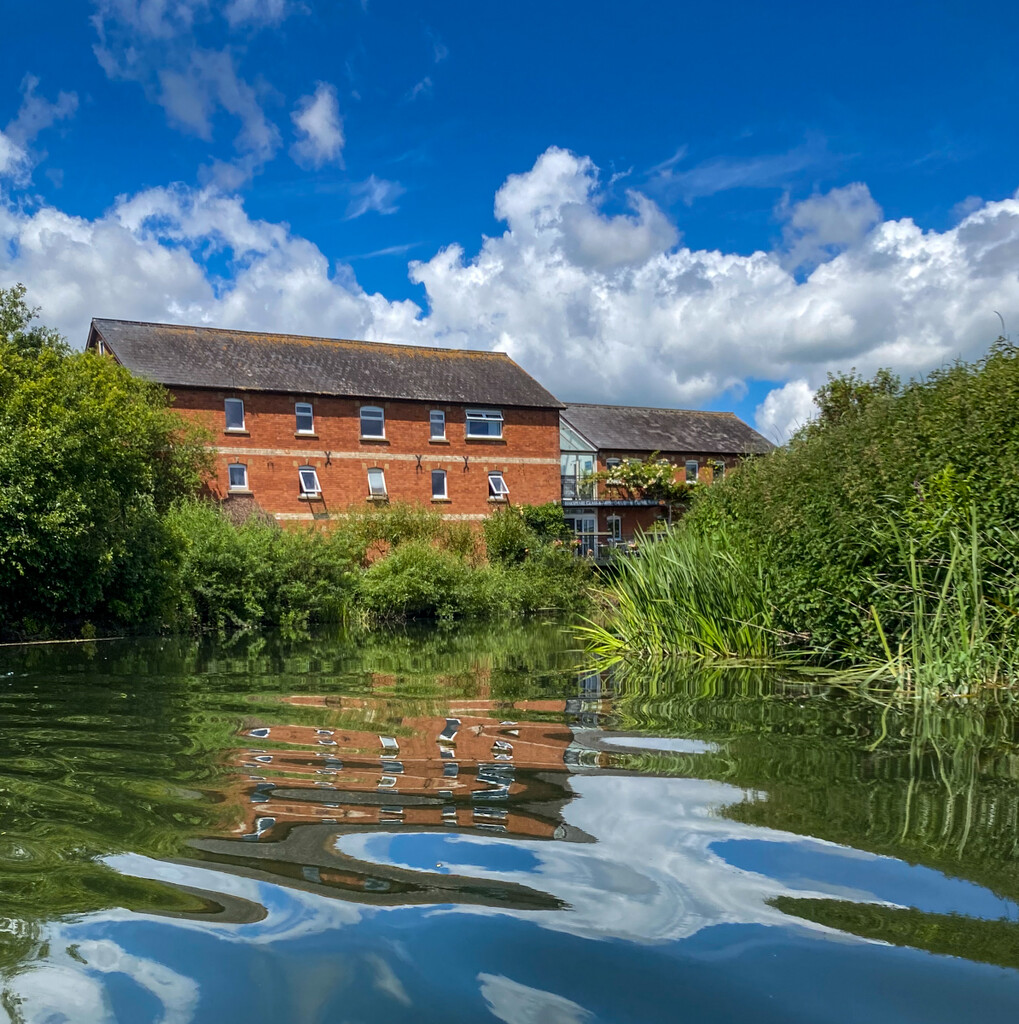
{"x": 596, "y": 438}
{"x": 307, "y": 427}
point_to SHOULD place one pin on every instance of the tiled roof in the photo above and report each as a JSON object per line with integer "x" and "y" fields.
{"x": 208, "y": 357}
{"x": 635, "y": 429}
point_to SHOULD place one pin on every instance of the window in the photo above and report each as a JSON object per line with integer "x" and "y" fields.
{"x": 437, "y": 425}
{"x": 497, "y": 486}
{"x": 691, "y": 471}
{"x": 377, "y": 483}
{"x": 238, "y": 476}
{"x": 613, "y": 463}
{"x": 305, "y": 418}
{"x": 718, "y": 470}
{"x": 615, "y": 528}
{"x": 484, "y": 423}
{"x": 234, "y": 409}
{"x": 309, "y": 482}
{"x": 373, "y": 421}
{"x": 439, "y": 483}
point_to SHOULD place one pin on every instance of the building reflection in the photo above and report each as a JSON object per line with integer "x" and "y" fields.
{"x": 341, "y": 766}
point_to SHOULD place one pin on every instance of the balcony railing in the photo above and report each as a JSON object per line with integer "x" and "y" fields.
{"x": 577, "y": 490}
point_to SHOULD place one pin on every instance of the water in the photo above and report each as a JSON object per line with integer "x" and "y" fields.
{"x": 461, "y": 827}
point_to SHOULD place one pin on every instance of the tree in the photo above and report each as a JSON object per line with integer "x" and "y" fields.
{"x": 848, "y": 394}
{"x": 16, "y": 317}
{"x": 90, "y": 460}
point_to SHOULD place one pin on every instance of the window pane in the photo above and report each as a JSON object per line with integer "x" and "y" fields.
{"x": 373, "y": 422}
{"x": 376, "y": 482}
{"x": 438, "y": 483}
{"x": 691, "y": 471}
{"x": 238, "y": 477}
{"x": 484, "y": 423}
{"x": 497, "y": 486}
{"x": 305, "y": 419}
{"x": 234, "y": 414}
{"x": 437, "y": 421}
{"x": 309, "y": 480}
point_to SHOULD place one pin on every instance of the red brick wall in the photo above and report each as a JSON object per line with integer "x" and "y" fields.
{"x": 527, "y": 454}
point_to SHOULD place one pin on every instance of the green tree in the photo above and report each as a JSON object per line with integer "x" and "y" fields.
{"x": 90, "y": 460}
{"x": 16, "y": 329}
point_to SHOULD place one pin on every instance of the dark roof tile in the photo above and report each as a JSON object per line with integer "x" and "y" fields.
{"x": 636, "y": 429}
{"x": 209, "y": 357}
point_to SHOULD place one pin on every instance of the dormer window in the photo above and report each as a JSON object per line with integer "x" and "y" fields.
{"x": 310, "y": 487}
{"x": 305, "y": 417}
{"x": 234, "y": 410}
{"x": 373, "y": 422}
{"x": 484, "y": 423}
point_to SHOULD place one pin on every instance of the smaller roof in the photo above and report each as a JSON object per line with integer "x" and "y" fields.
{"x": 636, "y": 429}
{"x": 209, "y": 357}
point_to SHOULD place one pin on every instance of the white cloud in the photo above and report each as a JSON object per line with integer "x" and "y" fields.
{"x": 319, "y": 128}
{"x": 784, "y": 410}
{"x": 257, "y": 12}
{"x": 823, "y": 225}
{"x": 374, "y": 194}
{"x": 156, "y": 44}
{"x": 598, "y": 306}
{"x": 34, "y": 116}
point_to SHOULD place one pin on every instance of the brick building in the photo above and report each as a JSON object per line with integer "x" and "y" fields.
{"x": 594, "y": 438}
{"x": 306, "y": 427}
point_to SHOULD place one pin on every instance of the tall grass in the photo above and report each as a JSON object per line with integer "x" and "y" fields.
{"x": 952, "y": 626}
{"x": 943, "y": 615}
{"x": 690, "y": 594}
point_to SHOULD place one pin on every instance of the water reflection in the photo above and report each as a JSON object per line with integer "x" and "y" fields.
{"x": 374, "y": 827}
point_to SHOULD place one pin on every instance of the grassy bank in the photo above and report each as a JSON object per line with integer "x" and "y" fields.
{"x": 884, "y": 537}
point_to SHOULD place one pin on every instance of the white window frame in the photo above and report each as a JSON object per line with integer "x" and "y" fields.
{"x": 376, "y": 412}
{"x": 436, "y": 416}
{"x": 445, "y": 485}
{"x": 483, "y": 416}
{"x": 226, "y": 415}
{"x": 306, "y": 491}
{"x": 373, "y": 492}
{"x": 306, "y": 409}
{"x": 231, "y": 486}
{"x": 614, "y": 526}
{"x": 497, "y": 488}
{"x": 696, "y": 469}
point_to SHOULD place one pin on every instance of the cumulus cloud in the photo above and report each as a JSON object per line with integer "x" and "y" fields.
{"x": 823, "y": 225}
{"x": 34, "y": 116}
{"x": 373, "y": 193}
{"x": 319, "y": 128}
{"x": 599, "y": 306}
{"x": 785, "y": 409}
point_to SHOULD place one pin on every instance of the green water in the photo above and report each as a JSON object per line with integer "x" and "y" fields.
{"x": 477, "y": 826}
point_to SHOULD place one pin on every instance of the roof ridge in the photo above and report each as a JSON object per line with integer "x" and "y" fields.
{"x": 236, "y": 331}
{"x": 650, "y": 408}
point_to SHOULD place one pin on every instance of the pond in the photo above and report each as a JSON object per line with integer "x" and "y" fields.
{"x": 478, "y": 826}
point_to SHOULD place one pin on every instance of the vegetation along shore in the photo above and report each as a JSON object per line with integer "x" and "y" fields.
{"x": 883, "y": 539}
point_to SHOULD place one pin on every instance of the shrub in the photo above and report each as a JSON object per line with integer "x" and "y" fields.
{"x": 508, "y": 538}
{"x": 255, "y": 574}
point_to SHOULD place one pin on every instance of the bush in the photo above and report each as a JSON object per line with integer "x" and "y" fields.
{"x": 256, "y": 574}
{"x": 508, "y": 538}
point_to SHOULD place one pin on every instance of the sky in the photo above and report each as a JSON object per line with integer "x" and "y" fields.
{"x": 705, "y": 206}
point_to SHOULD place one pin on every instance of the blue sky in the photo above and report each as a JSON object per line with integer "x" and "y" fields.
{"x": 708, "y": 205}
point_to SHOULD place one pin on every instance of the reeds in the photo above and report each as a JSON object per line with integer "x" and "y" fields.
{"x": 688, "y": 595}
{"x": 941, "y": 618}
